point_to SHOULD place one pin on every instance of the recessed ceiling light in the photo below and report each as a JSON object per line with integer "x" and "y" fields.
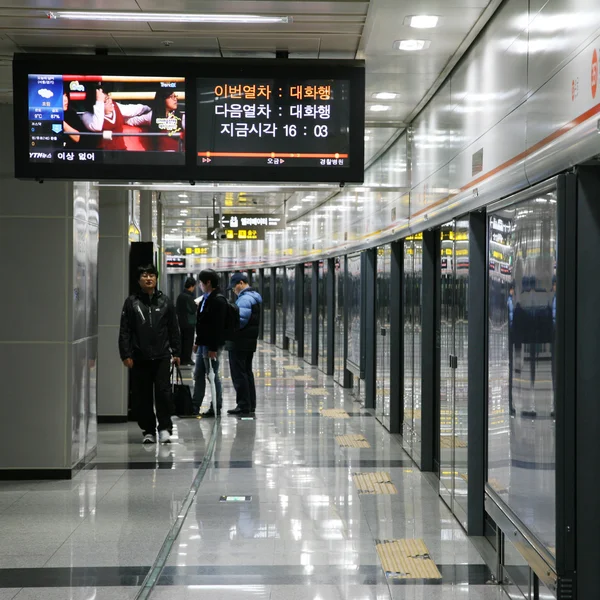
{"x": 379, "y": 108}
{"x": 385, "y": 95}
{"x": 182, "y": 196}
{"x": 184, "y": 202}
{"x": 422, "y": 21}
{"x": 152, "y": 17}
{"x": 411, "y": 45}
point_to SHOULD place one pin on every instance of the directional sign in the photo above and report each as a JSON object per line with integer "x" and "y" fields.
{"x": 244, "y": 227}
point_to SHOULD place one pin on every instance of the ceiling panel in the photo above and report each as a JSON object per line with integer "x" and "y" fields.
{"x": 280, "y": 7}
{"x": 155, "y": 41}
{"x": 297, "y": 44}
{"x": 71, "y": 4}
{"x": 56, "y": 27}
{"x": 70, "y": 41}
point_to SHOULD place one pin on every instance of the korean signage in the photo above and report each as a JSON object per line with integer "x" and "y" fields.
{"x": 244, "y": 226}
{"x": 279, "y": 123}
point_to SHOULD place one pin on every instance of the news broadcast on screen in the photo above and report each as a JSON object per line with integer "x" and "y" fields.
{"x": 119, "y": 119}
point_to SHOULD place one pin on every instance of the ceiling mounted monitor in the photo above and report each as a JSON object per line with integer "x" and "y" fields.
{"x": 154, "y": 119}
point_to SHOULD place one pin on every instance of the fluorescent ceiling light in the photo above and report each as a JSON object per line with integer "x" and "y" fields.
{"x": 379, "y": 108}
{"x": 385, "y": 96}
{"x": 150, "y": 17}
{"x": 184, "y": 202}
{"x": 411, "y": 45}
{"x": 422, "y": 21}
{"x": 295, "y": 208}
{"x": 308, "y": 198}
{"x": 182, "y": 196}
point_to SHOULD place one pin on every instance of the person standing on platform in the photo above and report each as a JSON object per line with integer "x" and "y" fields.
{"x": 186, "y": 315}
{"x": 148, "y": 341}
{"x": 243, "y": 345}
{"x": 210, "y": 338}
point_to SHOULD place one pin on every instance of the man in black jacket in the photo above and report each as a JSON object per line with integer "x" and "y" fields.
{"x": 210, "y": 332}
{"x": 148, "y": 337}
{"x": 186, "y": 315}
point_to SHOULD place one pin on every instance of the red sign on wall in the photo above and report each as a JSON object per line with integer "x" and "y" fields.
{"x": 594, "y": 73}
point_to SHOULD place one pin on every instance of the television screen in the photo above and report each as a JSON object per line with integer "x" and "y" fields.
{"x": 108, "y": 119}
{"x": 282, "y": 124}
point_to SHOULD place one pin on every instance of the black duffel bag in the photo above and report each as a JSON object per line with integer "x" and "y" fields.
{"x": 180, "y": 394}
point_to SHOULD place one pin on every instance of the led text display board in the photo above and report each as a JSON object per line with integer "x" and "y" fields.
{"x": 281, "y": 124}
{"x": 152, "y": 119}
{"x": 245, "y": 226}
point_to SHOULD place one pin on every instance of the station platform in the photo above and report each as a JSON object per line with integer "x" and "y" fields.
{"x": 269, "y": 508}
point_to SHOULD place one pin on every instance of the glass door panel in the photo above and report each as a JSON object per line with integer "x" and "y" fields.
{"x": 323, "y": 315}
{"x": 308, "y": 275}
{"x": 408, "y": 320}
{"x": 521, "y": 369}
{"x": 382, "y": 307}
{"x": 417, "y": 303}
{"x": 266, "y": 310}
{"x": 461, "y": 373}
{"x": 354, "y": 313}
{"x": 279, "y": 316}
{"x": 446, "y": 419}
{"x": 340, "y": 283}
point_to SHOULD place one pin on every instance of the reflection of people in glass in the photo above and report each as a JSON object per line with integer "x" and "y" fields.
{"x": 510, "y": 304}
{"x": 164, "y": 118}
{"x": 109, "y": 118}
{"x": 72, "y": 125}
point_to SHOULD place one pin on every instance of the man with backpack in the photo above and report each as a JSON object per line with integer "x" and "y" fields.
{"x": 210, "y": 338}
{"x": 241, "y": 344}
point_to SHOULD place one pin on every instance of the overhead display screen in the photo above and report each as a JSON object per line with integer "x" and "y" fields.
{"x": 108, "y": 119}
{"x": 100, "y": 117}
{"x": 277, "y": 123}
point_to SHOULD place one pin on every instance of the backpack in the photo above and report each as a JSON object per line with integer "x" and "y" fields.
{"x": 232, "y": 321}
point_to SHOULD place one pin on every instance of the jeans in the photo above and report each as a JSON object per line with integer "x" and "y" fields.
{"x": 240, "y": 364}
{"x": 200, "y": 374}
{"x": 151, "y": 387}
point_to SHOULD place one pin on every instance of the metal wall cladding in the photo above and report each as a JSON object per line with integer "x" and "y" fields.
{"x": 524, "y": 95}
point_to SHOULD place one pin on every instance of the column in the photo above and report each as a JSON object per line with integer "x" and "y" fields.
{"x": 48, "y": 330}
{"x": 113, "y": 283}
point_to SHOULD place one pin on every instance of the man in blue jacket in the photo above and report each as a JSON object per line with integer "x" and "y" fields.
{"x": 243, "y": 345}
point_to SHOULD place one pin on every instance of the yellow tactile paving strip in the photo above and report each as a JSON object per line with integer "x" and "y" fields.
{"x": 318, "y": 392}
{"x": 303, "y": 378}
{"x": 292, "y": 368}
{"x": 446, "y": 442}
{"x": 352, "y": 441}
{"x": 374, "y": 483}
{"x": 280, "y": 359}
{"x": 334, "y": 413}
{"x": 407, "y": 559}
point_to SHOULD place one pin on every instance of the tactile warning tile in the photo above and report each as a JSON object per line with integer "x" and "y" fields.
{"x": 279, "y": 359}
{"x": 407, "y": 559}
{"x": 374, "y": 483}
{"x": 303, "y": 378}
{"x": 446, "y": 442}
{"x": 317, "y": 392}
{"x": 352, "y": 441}
{"x": 266, "y": 351}
{"x": 292, "y": 368}
{"x": 334, "y": 413}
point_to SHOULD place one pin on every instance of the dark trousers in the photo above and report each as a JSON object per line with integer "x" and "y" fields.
{"x": 187, "y": 341}
{"x": 240, "y": 364}
{"x": 150, "y": 382}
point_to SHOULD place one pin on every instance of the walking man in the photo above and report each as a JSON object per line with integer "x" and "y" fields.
{"x": 210, "y": 338}
{"x": 148, "y": 338}
{"x": 243, "y": 345}
{"x": 186, "y": 315}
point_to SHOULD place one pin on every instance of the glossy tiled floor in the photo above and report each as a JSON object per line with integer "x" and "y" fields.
{"x": 305, "y": 534}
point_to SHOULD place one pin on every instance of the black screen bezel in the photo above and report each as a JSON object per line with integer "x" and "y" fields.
{"x": 190, "y": 69}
